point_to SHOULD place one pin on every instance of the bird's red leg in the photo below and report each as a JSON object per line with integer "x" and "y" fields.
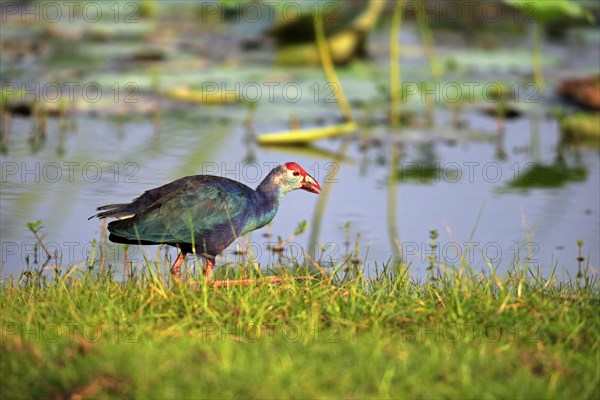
{"x": 176, "y": 267}
{"x": 208, "y": 269}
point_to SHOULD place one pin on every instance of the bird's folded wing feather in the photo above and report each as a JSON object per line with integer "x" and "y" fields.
{"x": 191, "y": 210}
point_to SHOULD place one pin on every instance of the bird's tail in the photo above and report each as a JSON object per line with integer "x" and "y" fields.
{"x": 121, "y": 211}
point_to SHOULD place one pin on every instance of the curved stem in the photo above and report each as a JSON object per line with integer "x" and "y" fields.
{"x": 391, "y": 205}
{"x": 538, "y": 74}
{"x": 395, "y": 64}
{"x": 329, "y": 69}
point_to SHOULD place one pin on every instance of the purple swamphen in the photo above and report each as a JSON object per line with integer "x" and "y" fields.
{"x": 204, "y": 213}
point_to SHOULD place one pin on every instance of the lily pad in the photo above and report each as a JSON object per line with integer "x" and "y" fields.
{"x": 306, "y": 135}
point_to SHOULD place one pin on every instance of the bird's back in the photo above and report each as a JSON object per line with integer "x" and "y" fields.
{"x": 202, "y": 211}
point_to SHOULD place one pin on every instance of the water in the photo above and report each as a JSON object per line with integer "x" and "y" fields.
{"x": 469, "y": 201}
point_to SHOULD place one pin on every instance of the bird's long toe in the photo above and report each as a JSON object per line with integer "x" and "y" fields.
{"x": 248, "y": 282}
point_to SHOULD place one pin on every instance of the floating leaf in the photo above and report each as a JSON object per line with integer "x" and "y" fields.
{"x": 306, "y": 135}
{"x": 198, "y": 96}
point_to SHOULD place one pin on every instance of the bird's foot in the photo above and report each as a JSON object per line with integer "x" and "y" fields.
{"x": 176, "y": 277}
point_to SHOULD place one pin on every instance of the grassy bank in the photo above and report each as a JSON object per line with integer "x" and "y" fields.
{"x": 464, "y": 335}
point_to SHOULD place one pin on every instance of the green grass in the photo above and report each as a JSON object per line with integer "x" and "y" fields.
{"x": 463, "y": 335}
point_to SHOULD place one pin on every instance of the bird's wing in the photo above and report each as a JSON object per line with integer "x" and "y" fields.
{"x": 191, "y": 209}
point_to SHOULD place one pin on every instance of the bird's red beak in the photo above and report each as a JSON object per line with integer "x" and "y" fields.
{"x": 311, "y": 185}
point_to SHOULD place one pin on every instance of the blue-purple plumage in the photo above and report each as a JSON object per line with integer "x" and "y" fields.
{"x": 203, "y": 212}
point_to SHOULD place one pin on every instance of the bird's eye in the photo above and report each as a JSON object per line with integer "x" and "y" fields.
{"x": 296, "y": 173}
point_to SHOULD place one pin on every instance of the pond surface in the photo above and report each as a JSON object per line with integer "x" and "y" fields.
{"x": 494, "y": 199}
{"x": 470, "y": 200}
